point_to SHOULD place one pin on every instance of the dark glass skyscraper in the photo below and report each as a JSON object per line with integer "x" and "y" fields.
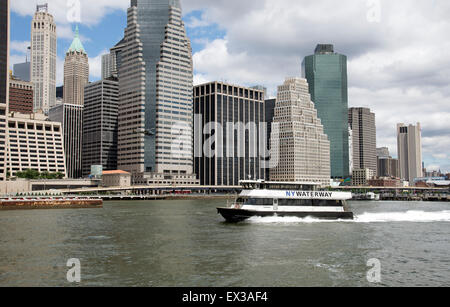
{"x": 326, "y": 72}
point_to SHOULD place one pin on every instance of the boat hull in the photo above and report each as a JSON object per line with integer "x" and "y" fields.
{"x": 232, "y": 215}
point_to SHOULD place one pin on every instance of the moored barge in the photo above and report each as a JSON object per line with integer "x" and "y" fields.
{"x": 17, "y": 203}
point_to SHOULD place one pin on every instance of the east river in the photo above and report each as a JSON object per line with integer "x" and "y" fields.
{"x": 185, "y": 243}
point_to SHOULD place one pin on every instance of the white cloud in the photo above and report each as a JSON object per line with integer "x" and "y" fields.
{"x": 91, "y": 12}
{"x": 400, "y": 67}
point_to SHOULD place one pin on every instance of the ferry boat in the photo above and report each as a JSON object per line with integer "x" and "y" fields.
{"x": 266, "y": 199}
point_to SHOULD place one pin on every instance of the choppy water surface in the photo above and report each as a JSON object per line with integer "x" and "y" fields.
{"x": 185, "y": 243}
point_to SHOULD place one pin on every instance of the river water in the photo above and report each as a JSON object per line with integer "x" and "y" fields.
{"x": 185, "y": 243}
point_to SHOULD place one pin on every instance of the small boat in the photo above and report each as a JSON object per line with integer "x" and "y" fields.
{"x": 268, "y": 199}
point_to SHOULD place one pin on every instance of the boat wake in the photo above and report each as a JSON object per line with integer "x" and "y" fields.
{"x": 380, "y": 217}
{"x": 409, "y": 216}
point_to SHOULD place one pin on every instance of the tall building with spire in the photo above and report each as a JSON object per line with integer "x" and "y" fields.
{"x": 326, "y": 73}
{"x": 300, "y": 150}
{"x": 155, "y": 136}
{"x": 4, "y": 86}
{"x": 43, "y": 58}
{"x": 76, "y": 72}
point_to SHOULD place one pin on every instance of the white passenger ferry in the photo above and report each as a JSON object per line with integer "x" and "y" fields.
{"x": 283, "y": 199}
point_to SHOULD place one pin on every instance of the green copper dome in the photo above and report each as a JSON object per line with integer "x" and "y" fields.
{"x": 76, "y": 46}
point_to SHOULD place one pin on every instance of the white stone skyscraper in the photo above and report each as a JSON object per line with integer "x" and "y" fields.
{"x": 155, "y": 135}
{"x": 409, "y": 140}
{"x": 76, "y": 72}
{"x": 299, "y": 147}
{"x": 43, "y": 59}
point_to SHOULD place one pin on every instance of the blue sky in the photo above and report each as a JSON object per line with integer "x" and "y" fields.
{"x": 99, "y": 38}
{"x": 398, "y": 59}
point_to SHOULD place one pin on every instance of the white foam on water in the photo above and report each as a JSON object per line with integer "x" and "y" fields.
{"x": 409, "y": 216}
{"x": 286, "y": 220}
{"x": 380, "y": 217}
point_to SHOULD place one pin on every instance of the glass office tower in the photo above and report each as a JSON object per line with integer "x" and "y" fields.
{"x": 155, "y": 89}
{"x": 326, "y": 72}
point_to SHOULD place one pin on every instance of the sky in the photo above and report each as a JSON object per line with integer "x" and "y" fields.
{"x": 398, "y": 58}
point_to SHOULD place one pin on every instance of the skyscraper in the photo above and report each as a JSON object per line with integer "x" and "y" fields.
{"x": 155, "y": 89}
{"x": 364, "y": 138}
{"x": 76, "y": 72}
{"x": 235, "y": 112}
{"x": 299, "y": 146}
{"x": 4, "y": 86}
{"x": 43, "y": 59}
{"x": 409, "y": 140}
{"x": 71, "y": 118}
{"x": 111, "y": 61}
{"x": 101, "y": 111}
{"x": 22, "y": 71}
{"x": 326, "y": 73}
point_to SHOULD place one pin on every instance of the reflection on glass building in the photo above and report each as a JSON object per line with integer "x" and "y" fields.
{"x": 326, "y": 73}
{"x": 155, "y": 89}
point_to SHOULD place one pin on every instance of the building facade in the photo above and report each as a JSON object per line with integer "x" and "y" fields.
{"x": 76, "y": 72}
{"x": 409, "y": 142}
{"x": 43, "y": 59}
{"x": 270, "y": 105}
{"x": 228, "y": 136}
{"x": 361, "y": 177}
{"x": 71, "y": 118}
{"x": 35, "y": 143}
{"x": 20, "y": 96}
{"x": 299, "y": 146}
{"x": 111, "y": 61}
{"x": 383, "y": 152}
{"x": 388, "y": 167}
{"x": 107, "y": 65}
{"x": 22, "y": 71}
{"x": 155, "y": 89}
{"x": 326, "y": 73}
{"x": 100, "y": 123}
{"x": 364, "y": 138}
{"x": 4, "y": 86}
{"x": 116, "y": 179}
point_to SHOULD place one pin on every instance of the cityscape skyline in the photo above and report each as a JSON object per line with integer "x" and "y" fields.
{"x": 212, "y": 35}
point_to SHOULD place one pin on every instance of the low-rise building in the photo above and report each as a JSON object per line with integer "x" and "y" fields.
{"x": 361, "y": 177}
{"x": 20, "y": 96}
{"x": 116, "y": 179}
{"x": 385, "y": 182}
{"x": 35, "y": 143}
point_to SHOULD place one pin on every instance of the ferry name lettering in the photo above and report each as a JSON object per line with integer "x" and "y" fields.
{"x": 309, "y": 194}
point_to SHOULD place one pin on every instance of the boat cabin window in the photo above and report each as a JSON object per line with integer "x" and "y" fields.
{"x": 290, "y": 202}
